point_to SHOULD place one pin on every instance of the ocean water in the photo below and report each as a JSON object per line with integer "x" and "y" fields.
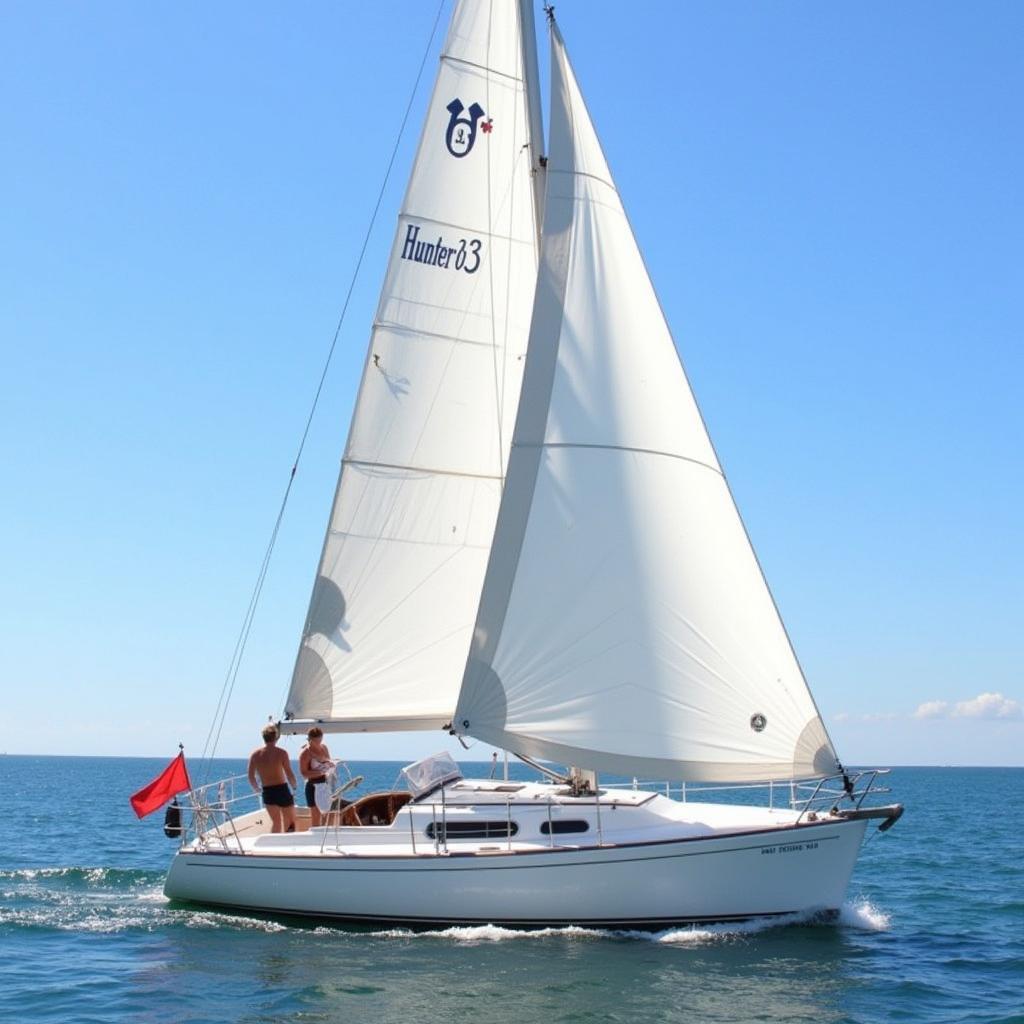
{"x": 933, "y": 929}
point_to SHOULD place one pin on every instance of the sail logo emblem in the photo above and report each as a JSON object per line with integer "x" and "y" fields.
{"x": 461, "y": 133}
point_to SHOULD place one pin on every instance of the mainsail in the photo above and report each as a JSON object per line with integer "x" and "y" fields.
{"x": 624, "y": 623}
{"x": 397, "y": 589}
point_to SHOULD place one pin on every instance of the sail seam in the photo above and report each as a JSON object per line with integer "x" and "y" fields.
{"x": 621, "y": 448}
{"x": 418, "y": 469}
{"x": 584, "y": 174}
{"x": 481, "y": 67}
{"x": 419, "y": 332}
{"x": 352, "y": 535}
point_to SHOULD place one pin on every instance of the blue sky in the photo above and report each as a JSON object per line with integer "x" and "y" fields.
{"x": 829, "y": 201}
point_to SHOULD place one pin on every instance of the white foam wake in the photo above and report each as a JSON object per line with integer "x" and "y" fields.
{"x": 861, "y": 915}
{"x": 491, "y": 933}
{"x": 864, "y": 916}
{"x": 701, "y": 934}
{"x": 695, "y": 934}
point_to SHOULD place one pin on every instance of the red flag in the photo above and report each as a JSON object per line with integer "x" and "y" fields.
{"x": 169, "y": 783}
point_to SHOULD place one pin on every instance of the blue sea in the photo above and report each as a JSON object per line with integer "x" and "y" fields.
{"x": 933, "y": 929}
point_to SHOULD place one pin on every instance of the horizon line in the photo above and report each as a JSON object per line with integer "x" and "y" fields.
{"x": 394, "y": 760}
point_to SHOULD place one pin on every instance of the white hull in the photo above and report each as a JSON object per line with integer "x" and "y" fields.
{"x": 649, "y": 884}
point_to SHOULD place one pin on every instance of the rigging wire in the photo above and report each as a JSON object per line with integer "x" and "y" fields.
{"x": 227, "y": 689}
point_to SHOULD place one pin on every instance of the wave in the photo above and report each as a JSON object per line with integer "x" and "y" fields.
{"x": 117, "y": 878}
{"x": 213, "y": 919}
{"x": 860, "y": 915}
{"x": 104, "y": 900}
{"x": 110, "y": 921}
{"x": 109, "y": 912}
{"x": 472, "y": 934}
{"x": 864, "y": 916}
{"x": 489, "y": 933}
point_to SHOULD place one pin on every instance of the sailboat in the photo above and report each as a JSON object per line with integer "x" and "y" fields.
{"x": 533, "y": 544}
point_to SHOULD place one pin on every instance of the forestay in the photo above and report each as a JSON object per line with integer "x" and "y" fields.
{"x": 624, "y": 624}
{"x": 389, "y": 623}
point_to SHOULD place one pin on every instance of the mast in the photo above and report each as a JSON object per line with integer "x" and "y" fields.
{"x": 531, "y": 81}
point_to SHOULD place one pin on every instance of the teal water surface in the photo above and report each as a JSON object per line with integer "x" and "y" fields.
{"x": 933, "y": 930}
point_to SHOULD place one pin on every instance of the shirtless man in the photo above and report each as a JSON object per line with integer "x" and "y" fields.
{"x": 273, "y": 766}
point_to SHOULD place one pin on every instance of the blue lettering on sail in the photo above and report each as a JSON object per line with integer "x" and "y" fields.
{"x": 464, "y": 255}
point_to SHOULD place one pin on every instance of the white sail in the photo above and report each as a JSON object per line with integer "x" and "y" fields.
{"x": 624, "y": 624}
{"x": 399, "y": 580}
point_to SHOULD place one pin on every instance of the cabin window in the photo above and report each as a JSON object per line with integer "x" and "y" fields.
{"x": 562, "y": 828}
{"x": 473, "y": 830}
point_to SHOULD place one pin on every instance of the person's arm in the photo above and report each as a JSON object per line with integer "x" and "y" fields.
{"x": 288, "y": 769}
{"x": 252, "y": 771}
{"x": 304, "y": 758}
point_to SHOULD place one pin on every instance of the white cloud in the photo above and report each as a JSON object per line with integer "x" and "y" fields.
{"x": 931, "y": 709}
{"x": 873, "y": 716}
{"x": 985, "y": 705}
{"x": 988, "y": 705}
